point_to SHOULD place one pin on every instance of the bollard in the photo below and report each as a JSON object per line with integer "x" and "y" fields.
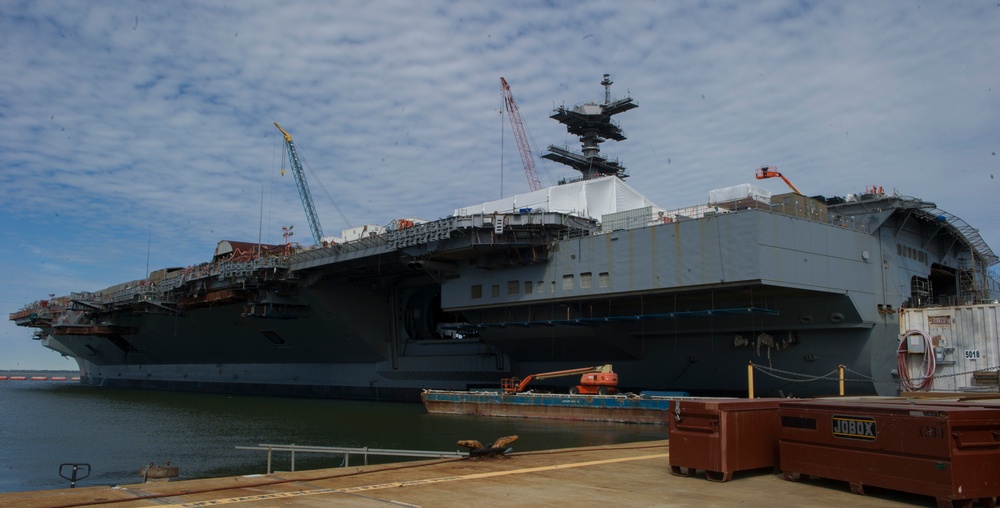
{"x": 841, "y": 369}
{"x": 74, "y": 476}
{"x": 750, "y": 378}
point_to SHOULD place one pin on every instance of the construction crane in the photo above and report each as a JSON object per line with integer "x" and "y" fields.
{"x": 300, "y": 182}
{"x": 600, "y": 380}
{"x": 517, "y": 125}
{"x": 772, "y": 172}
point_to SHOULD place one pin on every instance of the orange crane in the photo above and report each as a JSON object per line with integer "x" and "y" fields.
{"x": 772, "y": 172}
{"x": 600, "y": 380}
{"x": 517, "y": 125}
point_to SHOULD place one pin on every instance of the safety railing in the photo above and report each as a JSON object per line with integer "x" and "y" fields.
{"x": 347, "y": 452}
{"x": 982, "y": 378}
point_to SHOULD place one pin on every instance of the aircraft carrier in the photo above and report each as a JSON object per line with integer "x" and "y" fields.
{"x": 581, "y": 273}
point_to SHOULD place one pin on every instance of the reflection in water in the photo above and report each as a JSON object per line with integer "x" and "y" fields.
{"x": 118, "y": 431}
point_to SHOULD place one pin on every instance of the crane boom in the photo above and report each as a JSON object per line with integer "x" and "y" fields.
{"x": 516, "y": 385}
{"x": 300, "y": 182}
{"x": 517, "y": 125}
{"x": 772, "y": 172}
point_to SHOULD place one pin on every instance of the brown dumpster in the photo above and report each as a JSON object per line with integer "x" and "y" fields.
{"x": 948, "y": 451}
{"x": 720, "y": 436}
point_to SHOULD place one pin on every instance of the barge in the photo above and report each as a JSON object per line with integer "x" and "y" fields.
{"x": 619, "y": 408}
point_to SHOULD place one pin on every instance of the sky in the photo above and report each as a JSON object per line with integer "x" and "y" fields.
{"x": 136, "y": 135}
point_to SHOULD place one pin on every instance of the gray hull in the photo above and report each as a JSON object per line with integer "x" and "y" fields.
{"x": 685, "y": 305}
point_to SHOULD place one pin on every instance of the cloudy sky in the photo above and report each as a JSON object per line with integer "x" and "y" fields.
{"x": 136, "y": 135}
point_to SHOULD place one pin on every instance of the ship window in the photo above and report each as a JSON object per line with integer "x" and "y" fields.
{"x": 513, "y": 287}
{"x": 553, "y": 285}
{"x": 568, "y": 282}
{"x": 604, "y": 279}
{"x": 899, "y": 249}
{"x": 541, "y": 286}
{"x": 586, "y": 279}
{"x": 527, "y": 287}
{"x": 477, "y": 291}
{"x": 496, "y": 291}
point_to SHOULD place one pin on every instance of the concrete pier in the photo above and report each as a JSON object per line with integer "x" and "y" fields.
{"x": 633, "y": 474}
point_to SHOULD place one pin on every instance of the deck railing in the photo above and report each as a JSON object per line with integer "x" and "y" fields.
{"x": 346, "y": 452}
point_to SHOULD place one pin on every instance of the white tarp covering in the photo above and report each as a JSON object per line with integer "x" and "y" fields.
{"x": 356, "y": 233}
{"x": 587, "y": 198}
{"x": 740, "y": 192}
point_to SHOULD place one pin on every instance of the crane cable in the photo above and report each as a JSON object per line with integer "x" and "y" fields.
{"x": 316, "y": 179}
{"x": 323, "y": 187}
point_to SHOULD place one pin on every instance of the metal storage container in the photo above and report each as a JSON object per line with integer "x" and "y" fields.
{"x": 948, "y": 451}
{"x": 964, "y": 339}
{"x": 720, "y": 436}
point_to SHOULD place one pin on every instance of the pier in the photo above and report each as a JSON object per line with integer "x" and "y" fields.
{"x": 631, "y": 474}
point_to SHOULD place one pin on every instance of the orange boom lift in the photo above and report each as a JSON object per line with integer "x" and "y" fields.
{"x": 598, "y": 380}
{"x": 772, "y": 172}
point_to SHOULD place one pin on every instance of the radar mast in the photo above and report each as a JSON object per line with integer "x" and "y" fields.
{"x": 592, "y": 122}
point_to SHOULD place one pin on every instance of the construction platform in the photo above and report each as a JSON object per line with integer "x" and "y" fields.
{"x": 633, "y": 474}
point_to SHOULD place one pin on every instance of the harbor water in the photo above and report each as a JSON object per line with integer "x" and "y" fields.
{"x": 49, "y": 423}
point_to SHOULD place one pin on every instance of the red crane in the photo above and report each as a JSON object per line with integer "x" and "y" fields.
{"x": 517, "y": 125}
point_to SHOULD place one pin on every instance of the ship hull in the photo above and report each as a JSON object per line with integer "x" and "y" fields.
{"x": 704, "y": 305}
{"x": 701, "y": 365}
{"x": 694, "y": 318}
{"x": 691, "y": 305}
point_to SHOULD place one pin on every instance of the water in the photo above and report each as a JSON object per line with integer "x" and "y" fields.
{"x": 45, "y": 424}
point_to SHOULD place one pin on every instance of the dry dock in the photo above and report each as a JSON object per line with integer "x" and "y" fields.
{"x": 635, "y": 474}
